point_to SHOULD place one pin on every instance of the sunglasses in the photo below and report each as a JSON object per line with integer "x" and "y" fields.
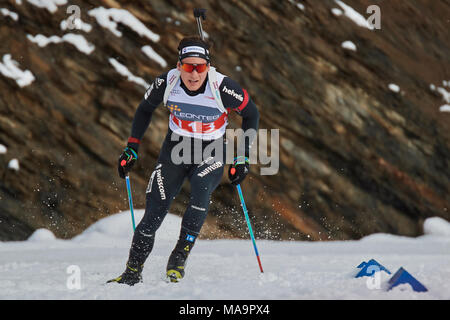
{"x": 189, "y": 67}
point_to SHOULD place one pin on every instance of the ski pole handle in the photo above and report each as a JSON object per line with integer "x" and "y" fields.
{"x": 200, "y": 13}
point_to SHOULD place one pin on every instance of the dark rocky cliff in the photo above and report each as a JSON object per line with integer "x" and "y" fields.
{"x": 355, "y": 156}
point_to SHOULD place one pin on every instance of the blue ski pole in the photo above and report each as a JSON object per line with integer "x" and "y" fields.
{"x": 130, "y": 200}
{"x": 241, "y": 197}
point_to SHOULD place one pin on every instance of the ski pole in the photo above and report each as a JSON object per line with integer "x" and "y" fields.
{"x": 130, "y": 199}
{"x": 241, "y": 197}
{"x": 200, "y": 13}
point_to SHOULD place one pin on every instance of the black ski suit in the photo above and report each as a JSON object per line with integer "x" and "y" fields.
{"x": 168, "y": 177}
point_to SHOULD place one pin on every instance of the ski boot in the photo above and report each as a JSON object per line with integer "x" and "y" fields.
{"x": 140, "y": 249}
{"x": 130, "y": 276}
{"x": 177, "y": 260}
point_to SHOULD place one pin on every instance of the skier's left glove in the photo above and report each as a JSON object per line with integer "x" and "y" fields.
{"x": 238, "y": 170}
{"x": 127, "y": 161}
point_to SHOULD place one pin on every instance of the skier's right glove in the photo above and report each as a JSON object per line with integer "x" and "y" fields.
{"x": 238, "y": 170}
{"x": 127, "y": 161}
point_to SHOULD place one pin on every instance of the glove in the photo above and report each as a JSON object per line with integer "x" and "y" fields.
{"x": 126, "y": 161}
{"x": 238, "y": 170}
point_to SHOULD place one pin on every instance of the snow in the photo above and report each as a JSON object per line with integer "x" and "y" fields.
{"x": 299, "y": 5}
{"x": 337, "y": 12}
{"x": 42, "y": 40}
{"x": 77, "y": 40}
{"x": 349, "y": 45}
{"x": 353, "y": 15}
{"x": 42, "y": 235}
{"x": 445, "y": 94}
{"x": 108, "y": 18}
{"x": 3, "y": 149}
{"x": 8, "y": 13}
{"x": 394, "y": 88}
{"x": 154, "y": 56}
{"x": 50, "y": 5}
{"x": 47, "y": 268}
{"x": 9, "y": 68}
{"x": 123, "y": 70}
{"x": 13, "y": 164}
{"x": 436, "y": 226}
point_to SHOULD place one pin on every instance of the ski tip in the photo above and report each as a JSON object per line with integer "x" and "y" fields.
{"x": 115, "y": 280}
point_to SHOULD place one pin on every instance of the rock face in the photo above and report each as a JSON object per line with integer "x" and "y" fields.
{"x": 363, "y": 145}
